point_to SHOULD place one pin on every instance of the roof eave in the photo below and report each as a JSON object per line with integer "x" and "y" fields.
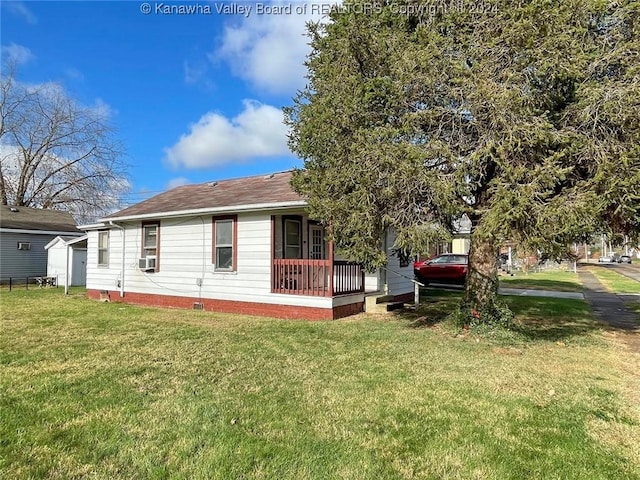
{"x": 201, "y": 211}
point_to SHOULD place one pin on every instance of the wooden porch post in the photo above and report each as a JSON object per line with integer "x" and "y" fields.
{"x": 273, "y": 251}
{"x": 330, "y": 291}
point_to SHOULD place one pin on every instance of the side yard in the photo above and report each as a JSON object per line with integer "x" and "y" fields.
{"x": 103, "y": 390}
{"x": 560, "y": 281}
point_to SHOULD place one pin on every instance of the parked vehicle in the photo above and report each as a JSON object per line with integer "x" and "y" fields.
{"x": 624, "y": 259}
{"x": 448, "y": 268}
{"x": 605, "y": 259}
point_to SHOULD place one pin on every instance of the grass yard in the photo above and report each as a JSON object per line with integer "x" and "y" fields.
{"x": 561, "y": 281}
{"x": 614, "y": 281}
{"x": 110, "y": 391}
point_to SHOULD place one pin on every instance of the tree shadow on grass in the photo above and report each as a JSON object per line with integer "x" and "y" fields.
{"x": 552, "y": 319}
{"x": 537, "y": 318}
{"x": 435, "y": 306}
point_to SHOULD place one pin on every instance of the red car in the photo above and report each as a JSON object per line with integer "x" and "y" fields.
{"x": 445, "y": 268}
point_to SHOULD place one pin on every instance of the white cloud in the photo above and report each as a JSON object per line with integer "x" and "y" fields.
{"x": 55, "y": 90}
{"x": 74, "y": 74}
{"x": 20, "y": 9}
{"x": 192, "y": 74}
{"x": 177, "y": 182}
{"x": 48, "y": 90}
{"x": 103, "y": 109}
{"x": 17, "y": 53}
{"x": 258, "y": 131}
{"x": 269, "y": 51}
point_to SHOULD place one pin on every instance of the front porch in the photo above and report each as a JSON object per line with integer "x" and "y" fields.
{"x": 303, "y": 262}
{"x": 320, "y": 278}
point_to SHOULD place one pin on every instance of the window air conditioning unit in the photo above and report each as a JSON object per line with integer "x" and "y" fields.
{"x": 24, "y": 246}
{"x": 147, "y": 263}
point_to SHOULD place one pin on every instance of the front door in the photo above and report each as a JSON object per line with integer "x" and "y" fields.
{"x": 79, "y": 267}
{"x": 319, "y": 277}
{"x": 316, "y": 242}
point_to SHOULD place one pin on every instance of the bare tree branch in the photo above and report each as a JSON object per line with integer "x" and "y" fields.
{"x": 55, "y": 152}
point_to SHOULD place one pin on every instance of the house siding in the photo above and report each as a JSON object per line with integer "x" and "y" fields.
{"x": 399, "y": 279}
{"x": 186, "y": 257}
{"x": 103, "y": 277}
{"x": 16, "y": 263}
{"x": 460, "y": 245}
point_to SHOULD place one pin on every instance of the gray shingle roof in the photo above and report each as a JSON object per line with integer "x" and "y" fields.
{"x": 26, "y": 218}
{"x": 262, "y": 189}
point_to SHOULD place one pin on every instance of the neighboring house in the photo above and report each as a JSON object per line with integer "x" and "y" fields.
{"x": 67, "y": 256}
{"x": 461, "y": 241}
{"x": 24, "y": 232}
{"x": 240, "y": 246}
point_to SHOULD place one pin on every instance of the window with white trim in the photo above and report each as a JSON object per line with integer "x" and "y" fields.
{"x": 151, "y": 246}
{"x": 103, "y": 248}
{"x": 225, "y": 243}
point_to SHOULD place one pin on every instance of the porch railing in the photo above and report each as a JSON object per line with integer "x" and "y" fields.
{"x": 318, "y": 278}
{"x": 348, "y": 277}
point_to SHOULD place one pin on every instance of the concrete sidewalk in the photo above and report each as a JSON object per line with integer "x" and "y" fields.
{"x": 524, "y": 292}
{"x": 606, "y": 306}
{"x": 540, "y": 293}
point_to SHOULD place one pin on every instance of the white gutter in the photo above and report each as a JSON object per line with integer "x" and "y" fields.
{"x": 123, "y": 252}
{"x": 201, "y": 211}
{"x": 92, "y": 226}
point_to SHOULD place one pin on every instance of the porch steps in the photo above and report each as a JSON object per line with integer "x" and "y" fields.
{"x": 381, "y": 304}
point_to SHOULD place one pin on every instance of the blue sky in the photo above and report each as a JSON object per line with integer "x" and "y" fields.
{"x": 194, "y": 97}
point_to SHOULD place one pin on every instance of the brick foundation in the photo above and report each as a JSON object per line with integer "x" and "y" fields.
{"x": 227, "y": 306}
{"x": 346, "y": 310}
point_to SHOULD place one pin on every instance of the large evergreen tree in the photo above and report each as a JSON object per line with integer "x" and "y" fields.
{"x": 524, "y": 116}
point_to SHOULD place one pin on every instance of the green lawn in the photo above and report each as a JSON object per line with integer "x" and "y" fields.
{"x": 554, "y": 280}
{"x": 109, "y": 391}
{"x": 614, "y": 281}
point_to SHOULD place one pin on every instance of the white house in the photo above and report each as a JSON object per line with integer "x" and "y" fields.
{"x": 67, "y": 256}
{"x": 240, "y": 246}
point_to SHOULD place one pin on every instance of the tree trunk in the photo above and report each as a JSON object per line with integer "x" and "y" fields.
{"x": 480, "y": 304}
{"x": 3, "y": 190}
{"x": 481, "y": 287}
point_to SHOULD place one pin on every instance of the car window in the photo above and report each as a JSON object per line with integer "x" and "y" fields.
{"x": 460, "y": 259}
{"x": 443, "y": 259}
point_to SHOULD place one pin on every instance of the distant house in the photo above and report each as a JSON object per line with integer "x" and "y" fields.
{"x": 241, "y": 246}
{"x": 461, "y": 241}
{"x": 67, "y": 256}
{"x": 24, "y": 232}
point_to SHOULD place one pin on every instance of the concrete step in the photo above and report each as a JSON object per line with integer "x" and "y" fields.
{"x": 381, "y": 304}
